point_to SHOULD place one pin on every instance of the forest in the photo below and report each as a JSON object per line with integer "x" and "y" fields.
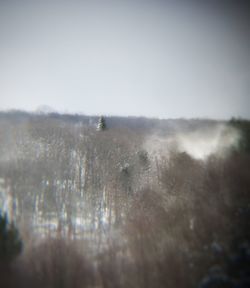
{"x": 89, "y": 201}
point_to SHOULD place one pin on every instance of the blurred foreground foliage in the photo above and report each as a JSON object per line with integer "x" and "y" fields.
{"x": 10, "y": 248}
{"x": 10, "y": 242}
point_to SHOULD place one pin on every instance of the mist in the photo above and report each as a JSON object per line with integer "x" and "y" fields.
{"x": 216, "y": 141}
{"x": 200, "y": 143}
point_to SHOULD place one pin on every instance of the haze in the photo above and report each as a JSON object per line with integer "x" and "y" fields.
{"x": 165, "y": 59}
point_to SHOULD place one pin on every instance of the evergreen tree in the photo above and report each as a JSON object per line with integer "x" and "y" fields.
{"x": 101, "y": 126}
{"x": 10, "y": 242}
{"x": 243, "y": 126}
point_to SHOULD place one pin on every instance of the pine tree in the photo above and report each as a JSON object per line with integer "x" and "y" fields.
{"x": 101, "y": 126}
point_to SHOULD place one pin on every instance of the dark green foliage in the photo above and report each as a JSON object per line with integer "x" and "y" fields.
{"x": 244, "y": 128}
{"x": 10, "y": 242}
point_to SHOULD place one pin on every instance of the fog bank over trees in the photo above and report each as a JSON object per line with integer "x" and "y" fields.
{"x": 141, "y": 203}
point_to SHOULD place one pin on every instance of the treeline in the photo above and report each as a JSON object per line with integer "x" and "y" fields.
{"x": 95, "y": 209}
{"x": 142, "y": 124}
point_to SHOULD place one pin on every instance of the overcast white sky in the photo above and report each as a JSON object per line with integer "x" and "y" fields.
{"x": 156, "y": 58}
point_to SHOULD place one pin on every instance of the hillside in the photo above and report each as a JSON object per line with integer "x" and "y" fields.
{"x": 147, "y": 202}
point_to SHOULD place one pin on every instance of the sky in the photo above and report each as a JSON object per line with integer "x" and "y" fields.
{"x": 164, "y": 59}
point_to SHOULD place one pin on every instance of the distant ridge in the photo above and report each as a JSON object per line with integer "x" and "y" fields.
{"x": 138, "y": 124}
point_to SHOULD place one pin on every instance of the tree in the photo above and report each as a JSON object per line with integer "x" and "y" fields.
{"x": 101, "y": 126}
{"x": 243, "y": 126}
{"x": 10, "y": 242}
